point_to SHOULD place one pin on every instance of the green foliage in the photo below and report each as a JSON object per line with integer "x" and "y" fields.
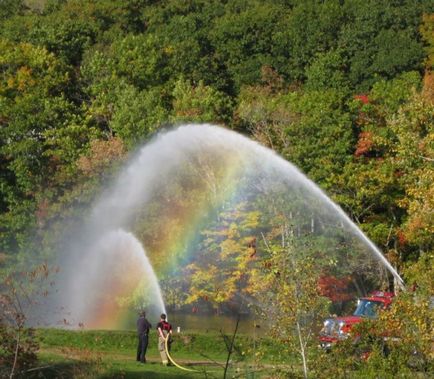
{"x": 33, "y": 105}
{"x": 327, "y": 71}
{"x": 243, "y": 38}
{"x": 183, "y": 33}
{"x": 325, "y": 122}
{"x": 312, "y": 27}
{"x": 427, "y": 31}
{"x": 388, "y": 96}
{"x": 137, "y": 114}
{"x": 311, "y": 128}
{"x": 66, "y": 38}
{"x": 200, "y": 103}
{"x": 379, "y": 41}
{"x": 9, "y": 8}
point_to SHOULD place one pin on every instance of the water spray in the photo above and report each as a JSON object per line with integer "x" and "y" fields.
{"x": 218, "y": 161}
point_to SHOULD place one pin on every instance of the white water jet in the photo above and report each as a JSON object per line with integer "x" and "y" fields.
{"x": 157, "y": 159}
{"x": 115, "y": 274}
{"x": 101, "y": 251}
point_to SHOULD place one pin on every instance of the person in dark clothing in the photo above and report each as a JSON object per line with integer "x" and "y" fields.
{"x": 143, "y": 327}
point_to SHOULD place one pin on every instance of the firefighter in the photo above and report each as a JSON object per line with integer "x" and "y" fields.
{"x": 143, "y": 327}
{"x": 164, "y": 331}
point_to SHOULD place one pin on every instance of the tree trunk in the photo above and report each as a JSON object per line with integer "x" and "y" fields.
{"x": 15, "y": 355}
{"x": 231, "y": 347}
{"x": 302, "y": 352}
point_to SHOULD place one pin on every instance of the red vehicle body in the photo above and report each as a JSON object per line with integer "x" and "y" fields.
{"x": 339, "y": 328}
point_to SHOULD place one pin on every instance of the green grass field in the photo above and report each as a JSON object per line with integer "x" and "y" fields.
{"x": 111, "y": 354}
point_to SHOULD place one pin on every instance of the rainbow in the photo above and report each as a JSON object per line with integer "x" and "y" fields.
{"x": 169, "y": 195}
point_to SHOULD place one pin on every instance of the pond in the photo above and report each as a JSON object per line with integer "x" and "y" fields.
{"x": 195, "y": 322}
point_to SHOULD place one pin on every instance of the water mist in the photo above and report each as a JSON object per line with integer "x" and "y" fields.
{"x": 106, "y": 268}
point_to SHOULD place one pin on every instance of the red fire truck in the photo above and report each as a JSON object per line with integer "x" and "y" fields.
{"x": 338, "y": 328}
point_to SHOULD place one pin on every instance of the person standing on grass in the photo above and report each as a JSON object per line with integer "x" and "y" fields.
{"x": 143, "y": 327}
{"x": 164, "y": 331}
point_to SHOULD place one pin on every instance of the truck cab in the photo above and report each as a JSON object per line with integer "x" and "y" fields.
{"x": 339, "y": 328}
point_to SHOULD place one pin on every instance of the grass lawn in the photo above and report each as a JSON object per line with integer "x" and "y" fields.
{"x": 76, "y": 363}
{"x": 111, "y": 354}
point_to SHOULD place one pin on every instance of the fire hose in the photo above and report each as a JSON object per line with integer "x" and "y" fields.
{"x": 166, "y": 346}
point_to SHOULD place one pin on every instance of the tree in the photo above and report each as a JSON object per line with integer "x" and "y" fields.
{"x": 65, "y": 37}
{"x": 200, "y": 103}
{"x": 310, "y": 28}
{"x": 221, "y": 272}
{"x": 301, "y": 126}
{"x": 183, "y": 29}
{"x": 32, "y": 106}
{"x": 243, "y": 39}
{"x": 9, "y": 8}
{"x": 371, "y": 186}
{"x": 266, "y": 115}
{"x": 414, "y": 155}
{"x": 426, "y": 29}
{"x": 328, "y": 71}
{"x": 19, "y": 291}
{"x": 287, "y": 285}
{"x": 323, "y": 118}
{"x": 380, "y": 40}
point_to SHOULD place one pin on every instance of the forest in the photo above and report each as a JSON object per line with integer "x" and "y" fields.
{"x": 343, "y": 89}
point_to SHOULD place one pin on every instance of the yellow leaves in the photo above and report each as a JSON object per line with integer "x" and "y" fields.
{"x": 409, "y": 322}
{"x": 206, "y": 284}
{"x": 251, "y": 220}
{"x": 26, "y": 68}
{"x": 169, "y": 49}
{"x": 228, "y": 264}
{"x": 413, "y": 154}
{"x": 230, "y": 248}
{"x": 22, "y": 80}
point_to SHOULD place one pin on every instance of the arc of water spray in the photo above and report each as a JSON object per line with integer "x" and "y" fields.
{"x": 362, "y": 236}
{"x": 116, "y": 258}
{"x": 345, "y": 217}
{"x": 316, "y": 190}
{"x": 136, "y": 185}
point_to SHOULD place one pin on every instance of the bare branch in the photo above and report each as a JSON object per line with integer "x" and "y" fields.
{"x": 16, "y": 354}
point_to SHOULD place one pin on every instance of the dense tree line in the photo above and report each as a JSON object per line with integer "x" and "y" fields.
{"x": 341, "y": 88}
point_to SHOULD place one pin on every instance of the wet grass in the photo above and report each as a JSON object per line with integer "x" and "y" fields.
{"x": 189, "y": 346}
{"x": 85, "y": 364}
{"x": 111, "y": 354}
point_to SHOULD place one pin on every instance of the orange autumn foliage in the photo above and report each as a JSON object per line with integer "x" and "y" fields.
{"x": 333, "y": 288}
{"x": 364, "y": 144}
